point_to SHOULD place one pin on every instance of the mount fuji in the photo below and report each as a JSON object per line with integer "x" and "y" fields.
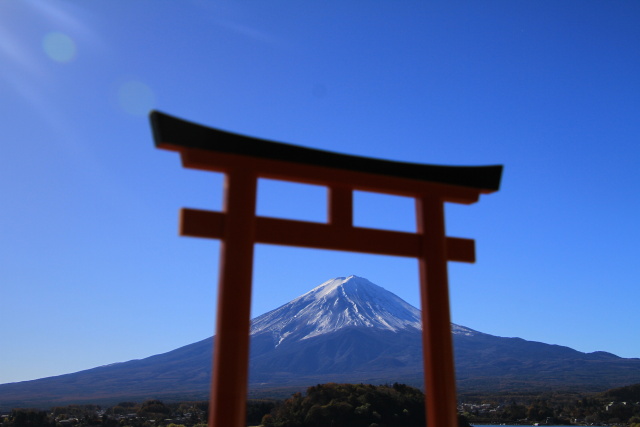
{"x": 345, "y": 330}
{"x": 336, "y": 304}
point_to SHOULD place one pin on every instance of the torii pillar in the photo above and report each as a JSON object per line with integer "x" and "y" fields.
{"x": 243, "y": 160}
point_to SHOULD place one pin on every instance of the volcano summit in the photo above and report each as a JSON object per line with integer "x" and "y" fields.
{"x": 336, "y": 304}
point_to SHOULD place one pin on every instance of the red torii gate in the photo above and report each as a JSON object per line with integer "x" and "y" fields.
{"x": 243, "y": 160}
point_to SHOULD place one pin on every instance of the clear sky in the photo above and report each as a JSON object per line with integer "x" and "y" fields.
{"x": 92, "y": 271}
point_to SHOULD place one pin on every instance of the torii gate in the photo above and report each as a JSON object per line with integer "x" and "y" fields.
{"x": 243, "y": 160}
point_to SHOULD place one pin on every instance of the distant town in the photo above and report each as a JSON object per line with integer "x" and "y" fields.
{"x": 353, "y": 405}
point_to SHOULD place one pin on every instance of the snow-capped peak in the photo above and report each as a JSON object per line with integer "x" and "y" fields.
{"x": 339, "y": 303}
{"x": 335, "y": 304}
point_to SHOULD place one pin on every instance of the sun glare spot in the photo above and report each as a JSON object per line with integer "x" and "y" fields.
{"x": 136, "y": 98}
{"x": 59, "y": 47}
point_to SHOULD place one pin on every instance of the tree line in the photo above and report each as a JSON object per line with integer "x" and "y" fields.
{"x": 356, "y": 405}
{"x": 620, "y": 406}
{"x": 353, "y": 405}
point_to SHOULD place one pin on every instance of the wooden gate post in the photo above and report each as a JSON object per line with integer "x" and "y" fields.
{"x": 229, "y": 378}
{"x": 437, "y": 344}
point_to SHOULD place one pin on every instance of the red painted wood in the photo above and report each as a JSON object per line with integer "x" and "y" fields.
{"x": 231, "y": 354}
{"x": 439, "y": 372}
{"x": 273, "y": 169}
{"x": 340, "y": 206}
{"x": 275, "y": 231}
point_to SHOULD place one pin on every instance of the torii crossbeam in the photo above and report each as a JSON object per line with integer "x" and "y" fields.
{"x": 243, "y": 160}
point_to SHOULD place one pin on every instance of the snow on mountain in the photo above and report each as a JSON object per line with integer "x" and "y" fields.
{"x": 462, "y": 330}
{"x": 339, "y": 303}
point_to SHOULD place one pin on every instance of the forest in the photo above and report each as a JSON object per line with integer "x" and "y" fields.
{"x": 353, "y": 405}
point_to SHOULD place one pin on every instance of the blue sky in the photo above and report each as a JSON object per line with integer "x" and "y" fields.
{"x": 92, "y": 270}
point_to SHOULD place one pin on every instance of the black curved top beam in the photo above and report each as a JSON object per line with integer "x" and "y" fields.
{"x": 171, "y": 130}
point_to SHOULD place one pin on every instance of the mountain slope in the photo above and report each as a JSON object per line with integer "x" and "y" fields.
{"x": 336, "y": 304}
{"x": 345, "y": 330}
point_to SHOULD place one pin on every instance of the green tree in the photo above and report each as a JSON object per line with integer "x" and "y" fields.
{"x": 154, "y": 408}
{"x": 30, "y": 418}
{"x": 356, "y": 405}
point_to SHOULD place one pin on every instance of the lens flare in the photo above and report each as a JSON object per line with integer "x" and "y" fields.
{"x": 59, "y": 47}
{"x": 136, "y": 98}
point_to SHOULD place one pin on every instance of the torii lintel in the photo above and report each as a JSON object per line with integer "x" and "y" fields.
{"x": 243, "y": 160}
